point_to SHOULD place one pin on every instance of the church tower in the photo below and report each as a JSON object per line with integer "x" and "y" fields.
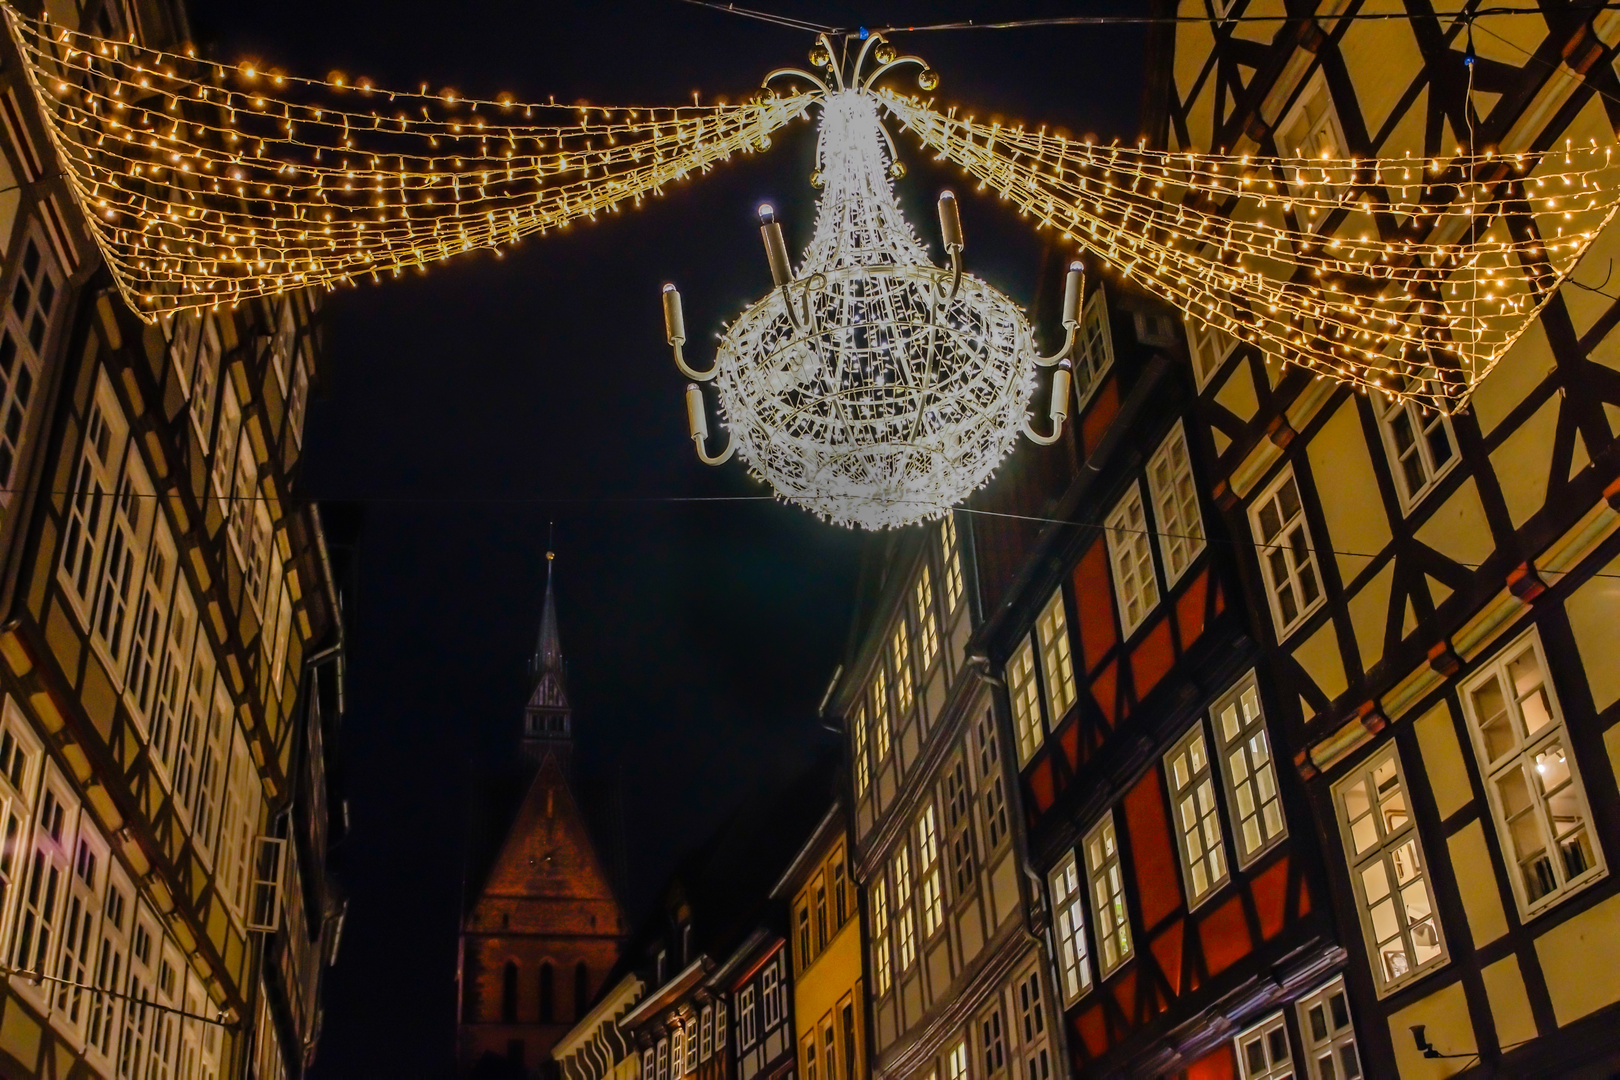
{"x": 541, "y": 925}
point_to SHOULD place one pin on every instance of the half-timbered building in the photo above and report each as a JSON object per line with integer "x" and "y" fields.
{"x": 1435, "y": 598}
{"x": 954, "y": 977}
{"x": 170, "y": 655}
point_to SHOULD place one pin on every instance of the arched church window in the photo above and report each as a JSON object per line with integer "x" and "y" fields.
{"x": 581, "y": 990}
{"x": 548, "y": 1006}
{"x": 509, "y": 979}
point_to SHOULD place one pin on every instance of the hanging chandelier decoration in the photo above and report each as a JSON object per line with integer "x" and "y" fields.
{"x": 871, "y": 386}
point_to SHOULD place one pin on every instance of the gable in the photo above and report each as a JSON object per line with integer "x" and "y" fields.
{"x": 548, "y": 852}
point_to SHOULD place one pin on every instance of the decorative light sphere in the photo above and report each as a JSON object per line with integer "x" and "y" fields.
{"x": 892, "y": 388}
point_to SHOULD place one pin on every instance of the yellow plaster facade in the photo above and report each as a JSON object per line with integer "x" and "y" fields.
{"x": 829, "y": 1003}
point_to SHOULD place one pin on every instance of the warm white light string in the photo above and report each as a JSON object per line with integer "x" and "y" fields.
{"x": 205, "y": 184}
{"x": 1427, "y": 272}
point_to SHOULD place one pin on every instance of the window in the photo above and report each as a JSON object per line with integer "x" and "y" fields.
{"x": 1263, "y": 1051}
{"x": 663, "y": 1059}
{"x": 995, "y": 812}
{"x": 281, "y": 347}
{"x": 857, "y": 733}
{"x": 1052, "y": 630}
{"x": 821, "y": 914}
{"x": 1287, "y": 558}
{"x": 1311, "y": 130}
{"x": 548, "y": 993}
{"x": 952, "y": 557}
{"x": 1130, "y": 551}
{"x": 1175, "y": 505}
{"x": 1108, "y": 895}
{"x": 19, "y": 750}
{"x": 922, "y": 608}
{"x": 880, "y": 935}
{"x": 1026, "y": 705}
{"x": 1330, "y": 1041}
{"x": 648, "y": 1065}
{"x": 846, "y": 1024}
{"x": 35, "y": 941}
{"x": 1037, "y": 1062}
{"x": 804, "y": 936}
{"x": 85, "y": 886}
{"x": 298, "y": 401}
{"x": 256, "y": 561}
{"x": 719, "y": 1025}
{"x": 1420, "y": 445}
{"x": 705, "y": 1032}
{"x": 677, "y": 1051}
{"x": 109, "y": 971}
{"x": 880, "y": 714}
{"x": 959, "y": 821}
{"x": 116, "y": 592}
{"x": 1251, "y": 775}
{"x": 204, "y": 381}
{"x": 240, "y": 522}
{"x": 995, "y": 1045}
{"x": 1154, "y": 328}
{"x": 137, "y": 1033}
{"x": 1198, "y": 822}
{"x": 840, "y": 893}
{"x": 1069, "y": 921}
{"x": 905, "y": 922}
{"x": 900, "y": 658}
{"x": 829, "y": 1046}
{"x": 225, "y": 456}
{"x": 89, "y": 504}
{"x": 189, "y": 739}
{"x": 1534, "y": 785}
{"x": 238, "y": 823}
{"x": 745, "y": 1018}
{"x": 146, "y": 638}
{"x": 690, "y": 1040}
{"x": 1398, "y": 920}
{"x": 1094, "y": 351}
{"x": 184, "y": 331}
{"x": 928, "y": 872}
{"x": 810, "y": 1057}
{"x": 990, "y": 784}
{"x": 211, "y": 770}
{"x": 27, "y": 324}
{"x": 1208, "y": 347}
{"x": 956, "y": 1063}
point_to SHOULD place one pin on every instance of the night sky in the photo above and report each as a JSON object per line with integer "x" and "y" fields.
{"x": 465, "y": 409}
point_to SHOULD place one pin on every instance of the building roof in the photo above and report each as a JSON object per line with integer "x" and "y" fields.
{"x": 550, "y": 689}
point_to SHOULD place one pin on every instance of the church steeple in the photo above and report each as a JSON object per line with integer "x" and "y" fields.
{"x": 547, "y": 719}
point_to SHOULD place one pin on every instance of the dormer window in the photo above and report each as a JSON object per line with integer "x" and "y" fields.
{"x": 658, "y": 968}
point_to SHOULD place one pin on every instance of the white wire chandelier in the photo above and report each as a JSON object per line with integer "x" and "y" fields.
{"x": 871, "y": 386}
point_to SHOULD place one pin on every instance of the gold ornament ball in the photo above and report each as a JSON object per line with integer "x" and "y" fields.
{"x": 928, "y": 78}
{"x": 885, "y": 53}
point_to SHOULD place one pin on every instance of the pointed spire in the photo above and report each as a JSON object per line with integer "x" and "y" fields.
{"x": 548, "y": 649}
{"x": 547, "y": 720}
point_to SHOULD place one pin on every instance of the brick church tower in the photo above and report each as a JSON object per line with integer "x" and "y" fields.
{"x": 541, "y": 926}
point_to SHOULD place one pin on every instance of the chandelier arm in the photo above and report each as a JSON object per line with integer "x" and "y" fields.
{"x": 801, "y": 73}
{"x": 688, "y": 371}
{"x": 1059, "y": 410}
{"x": 834, "y": 61}
{"x": 1070, "y": 336}
{"x": 723, "y": 456}
{"x": 866, "y": 84}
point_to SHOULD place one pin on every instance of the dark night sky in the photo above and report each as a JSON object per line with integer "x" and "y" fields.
{"x": 466, "y": 408}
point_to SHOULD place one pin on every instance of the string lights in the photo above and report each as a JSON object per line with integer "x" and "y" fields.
{"x": 1411, "y": 275}
{"x": 205, "y": 184}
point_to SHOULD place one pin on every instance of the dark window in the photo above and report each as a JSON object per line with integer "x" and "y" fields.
{"x": 848, "y": 1024}
{"x": 582, "y": 992}
{"x": 509, "y": 994}
{"x": 548, "y": 1001}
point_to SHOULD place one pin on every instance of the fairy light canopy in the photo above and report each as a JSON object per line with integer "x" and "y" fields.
{"x": 205, "y": 185}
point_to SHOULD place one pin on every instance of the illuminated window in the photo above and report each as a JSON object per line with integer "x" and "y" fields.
{"x": 1175, "y": 505}
{"x": 27, "y": 325}
{"x": 1536, "y": 795}
{"x": 956, "y": 1063}
{"x": 770, "y": 1001}
{"x": 1208, "y": 347}
{"x": 298, "y": 402}
{"x": 1263, "y": 1050}
{"x": 928, "y": 872}
{"x": 1287, "y": 558}
{"x": 1249, "y": 771}
{"x": 804, "y": 936}
{"x": 1094, "y": 348}
{"x": 47, "y": 855}
{"x": 905, "y": 921}
{"x": 880, "y": 714}
{"x": 829, "y": 1047}
{"x": 691, "y": 1047}
{"x": 1107, "y": 881}
{"x": 1420, "y": 445}
{"x": 1197, "y": 820}
{"x": 922, "y": 607}
{"x": 952, "y": 556}
{"x": 880, "y": 934}
{"x": 1052, "y": 630}
{"x": 706, "y": 1032}
{"x": 1388, "y": 872}
{"x": 1130, "y": 551}
{"x": 959, "y": 823}
{"x": 863, "y": 767}
{"x": 146, "y": 638}
{"x": 900, "y": 660}
{"x": 1330, "y": 1040}
{"x": 745, "y": 1018}
{"x": 1069, "y": 913}
{"x": 1311, "y": 129}
{"x": 1026, "y": 704}
{"x": 810, "y": 1057}
{"x": 663, "y": 1059}
{"x": 719, "y": 1025}
{"x": 821, "y": 914}
{"x": 130, "y": 512}
{"x": 90, "y": 502}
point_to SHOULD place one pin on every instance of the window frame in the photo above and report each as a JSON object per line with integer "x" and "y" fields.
{"x": 1067, "y": 895}
{"x": 1169, "y": 506}
{"x": 1129, "y": 544}
{"x": 20, "y": 380}
{"x": 1386, "y": 843}
{"x": 1387, "y": 409}
{"x": 929, "y": 872}
{"x": 1095, "y": 330}
{"x": 1112, "y": 911}
{"x": 1056, "y": 658}
{"x": 1262, "y": 1034}
{"x": 1204, "y": 339}
{"x": 1201, "y": 783}
{"x": 1248, "y": 728}
{"x": 1554, "y": 730}
{"x": 951, "y": 553}
{"x": 1336, "y": 1038}
{"x": 1023, "y": 693}
{"x": 922, "y": 607}
{"x": 1303, "y": 613}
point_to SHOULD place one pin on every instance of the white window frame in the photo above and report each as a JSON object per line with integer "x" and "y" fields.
{"x": 1057, "y": 661}
{"x": 1335, "y": 1038}
{"x": 1130, "y": 560}
{"x": 1308, "y": 145}
{"x": 1209, "y": 348}
{"x": 36, "y": 938}
{"x": 745, "y": 1018}
{"x": 1294, "y": 558}
{"x": 1249, "y": 771}
{"x": 1176, "y": 511}
{"x": 956, "y": 1061}
{"x": 298, "y": 401}
{"x": 951, "y": 554}
{"x": 1529, "y": 755}
{"x": 922, "y": 607}
{"x": 993, "y": 1039}
{"x": 1422, "y": 423}
{"x": 1105, "y": 878}
{"x": 1264, "y": 1036}
{"x": 1189, "y": 774}
{"x": 769, "y": 1000}
{"x": 905, "y": 686}
{"x": 122, "y": 564}
{"x": 90, "y": 501}
{"x": 928, "y": 872}
{"x": 882, "y": 966}
{"x": 905, "y": 919}
{"x": 858, "y": 740}
{"x": 144, "y": 672}
{"x": 21, "y": 759}
{"x": 81, "y": 931}
{"x": 1029, "y": 999}
{"x": 1068, "y": 898}
{"x": 1024, "y": 694}
{"x": 23, "y": 337}
{"x": 1093, "y": 348}
{"x": 117, "y": 914}
{"x": 882, "y": 733}
{"x": 174, "y": 679}
{"x": 705, "y": 1033}
{"x": 205, "y": 382}
{"x": 221, "y": 473}
{"x": 1392, "y": 847}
